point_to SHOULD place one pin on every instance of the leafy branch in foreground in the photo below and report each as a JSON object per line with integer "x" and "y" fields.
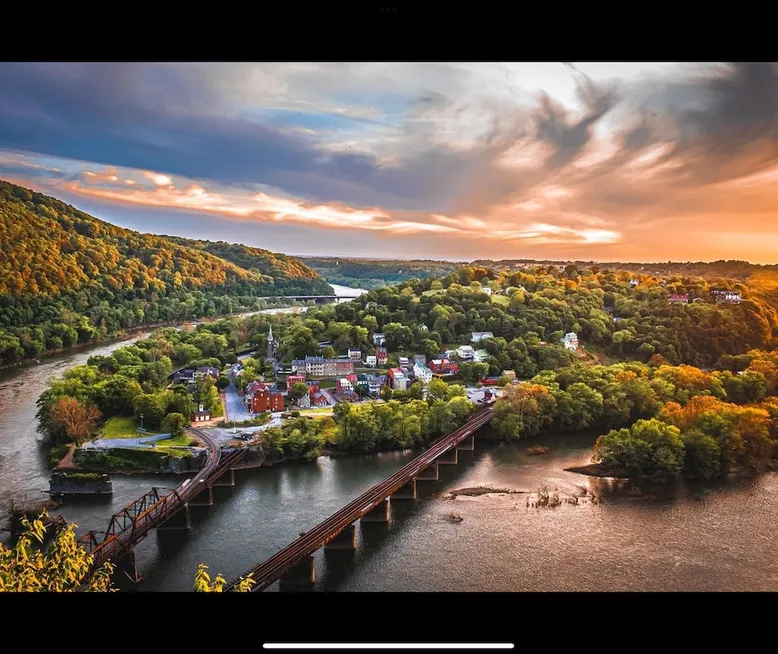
{"x": 64, "y": 566}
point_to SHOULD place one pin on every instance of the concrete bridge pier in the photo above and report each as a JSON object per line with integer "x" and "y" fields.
{"x": 378, "y": 514}
{"x": 467, "y": 445}
{"x": 204, "y": 498}
{"x": 226, "y": 479}
{"x": 429, "y": 474}
{"x": 448, "y": 458}
{"x": 126, "y": 566}
{"x": 345, "y": 540}
{"x": 301, "y": 576}
{"x": 179, "y": 521}
{"x": 406, "y": 491}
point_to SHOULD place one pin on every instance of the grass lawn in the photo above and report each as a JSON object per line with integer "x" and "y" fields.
{"x": 121, "y": 427}
{"x": 183, "y": 439}
{"x": 434, "y": 291}
{"x": 504, "y": 300}
{"x": 325, "y": 382}
{"x": 313, "y": 412}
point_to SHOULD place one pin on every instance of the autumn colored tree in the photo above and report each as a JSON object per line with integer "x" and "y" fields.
{"x": 78, "y": 419}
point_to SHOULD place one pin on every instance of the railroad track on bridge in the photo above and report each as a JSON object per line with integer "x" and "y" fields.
{"x": 271, "y": 570}
{"x": 132, "y": 523}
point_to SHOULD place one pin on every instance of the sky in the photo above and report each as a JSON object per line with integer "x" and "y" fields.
{"x": 583, "y": 161}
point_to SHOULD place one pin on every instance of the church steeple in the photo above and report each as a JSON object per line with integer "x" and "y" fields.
{"x": 270, "y": 344}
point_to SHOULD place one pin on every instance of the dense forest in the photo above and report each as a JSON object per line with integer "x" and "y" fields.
{"x": 376, "y": 273}
{"x": 68, "y": 278}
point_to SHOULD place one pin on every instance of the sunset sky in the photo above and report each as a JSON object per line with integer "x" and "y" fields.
{"x": 613, "y": 162}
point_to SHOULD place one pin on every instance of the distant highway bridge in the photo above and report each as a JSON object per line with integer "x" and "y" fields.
{"x": 294, "y": 564}
{"x": 154, "y": 510}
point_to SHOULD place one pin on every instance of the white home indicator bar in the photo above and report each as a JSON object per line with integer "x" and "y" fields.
{"x": 387, "y": 645}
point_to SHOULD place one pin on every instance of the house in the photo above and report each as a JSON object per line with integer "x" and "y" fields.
{"x": 729, "y": 297}
{"x": 398, "y": 379}
{"x": 355, "y": 354}
{"x": 314, "y": 366}
{"x": 337, "y": 367}
{"x": 422, "y": 372}
{"x": 633, "y": 282}
{"x": 479, "y": 356}
{"x": 475, "y": 337}
{"x": 184, "y": 376}
{"x": 419, "y": 358}
{"x": 679, "y": 298}
{"x": 371, "y": 361}
{"x": 264, "y": 398}
{"x": 313, "y": 387}
{"x": 207, "y": 371}
{"x": 509, "y": 374}
{"x": 298, "y": 365}
{"x": 373, "y": 384}
{"x": 318, "y": 399}
{"x": 201, "y": 415}
{"x": 381, "y": 355}
{"x": 291, "y": 380}
{"x": 404, "y": 363}
{"x": 344, "y": 385}
{"x": 443, "y": 367}
{"x": 486, "y": 289}
{"x": 379, "y": 339}
{"x": 422, "y": 327}
{"x": 570, "y": 341}
{"x": 465, "y": 352}
{"x": 490, "y": 381}
{"x": 303, "y": 402}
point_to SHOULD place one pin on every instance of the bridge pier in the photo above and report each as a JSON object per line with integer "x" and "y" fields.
{"x": 226, "y": 479}
{"x": 179, "y": 521}
{"x": 126, "y": 566}
{"x": 467, "y": 445}
{"x": 428, "y": 474}
{"x": 448, "y": 458}
{"x": 345, "y": 540}
{"x": 406, "y": 491}
{"x": 204, "y": 498}
{"x": 299, "y": 576}
{"x": 378, "y": 514}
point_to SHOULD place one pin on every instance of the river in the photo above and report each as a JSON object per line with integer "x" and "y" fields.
{"x": 681, "y": 538}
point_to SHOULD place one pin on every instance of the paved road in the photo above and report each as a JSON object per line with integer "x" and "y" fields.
{"x": 236, "y": 410}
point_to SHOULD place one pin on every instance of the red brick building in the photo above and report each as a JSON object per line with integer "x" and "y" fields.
{"x": 291, "y": 380}
{"x": 263, "y": 399}
{"x": 381, "y": 355}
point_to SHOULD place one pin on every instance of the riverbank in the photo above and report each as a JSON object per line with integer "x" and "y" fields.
{"x": 129, "y": 333}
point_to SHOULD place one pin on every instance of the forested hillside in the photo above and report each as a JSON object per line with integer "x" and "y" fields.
{"x": 67, "y": 277}
{"x": 376, "y": 273}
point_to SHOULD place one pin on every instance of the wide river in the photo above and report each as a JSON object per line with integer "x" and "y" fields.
{"x": 684, "y": 538}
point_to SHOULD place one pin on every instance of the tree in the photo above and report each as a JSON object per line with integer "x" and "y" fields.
{"x": 174, "y": 424}
{"x": 298, "y": 390}
{"x": 222, "y": 382}
{"x": 63, "y": 567}
{"x": 78, "y": 419}
{"x": 153, "y": 408}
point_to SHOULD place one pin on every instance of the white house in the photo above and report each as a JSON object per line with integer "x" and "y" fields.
{"x": 486, "y": 290}
{"x": 465, "y": 352}
{"x": 379, "y": 339}
{"x": 476, "y": 337}
{"x": 480, "y": 356}
{"x": 571, "y": 341}
{"x": 404, "y": 363}
{"x": 304, "y": 402}
{"x": 422, "y": 373}
{"x": 399, "y": 381}
{"x": 371, "y": 360}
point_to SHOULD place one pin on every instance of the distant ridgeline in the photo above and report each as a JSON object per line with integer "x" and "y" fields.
{"x": 68, "y": 278}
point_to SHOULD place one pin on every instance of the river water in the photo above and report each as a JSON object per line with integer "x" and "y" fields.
{"x": 680, "y": 538}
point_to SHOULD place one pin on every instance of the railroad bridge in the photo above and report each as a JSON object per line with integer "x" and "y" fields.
{"x": 294, "y": 565}
{"x": 163, "y": 512}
